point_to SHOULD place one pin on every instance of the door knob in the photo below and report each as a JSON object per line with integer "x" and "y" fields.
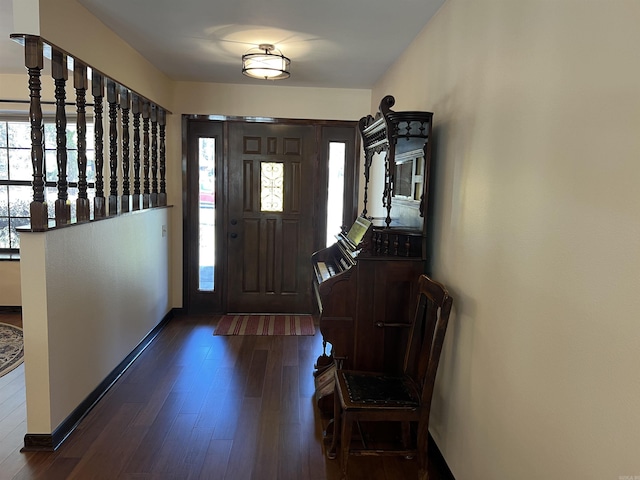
{"x": 234, "y": 221}
{"x": 234, "y": 235}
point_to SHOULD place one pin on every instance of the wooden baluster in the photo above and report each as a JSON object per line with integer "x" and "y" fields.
{"x": 97, "y": 89}
{"x": 145, "y": 131}
{"x": 386, "y": 244}
{"x": 81, "y": 84}
{"x": 162, "y": 120}
{"x": 154, "y": 155}
{"x": 396, "y": 245}
{"x": 60, "y": 73}
{"x": 407, "y": 245}
{"x": 136, "y": 108}
{"x": 34, "y": 61}
{"x": 112, "y": 99}
{"x": 125, "y": 95}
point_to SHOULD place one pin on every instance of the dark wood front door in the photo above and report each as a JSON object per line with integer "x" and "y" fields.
{"x": 270, "y": 234}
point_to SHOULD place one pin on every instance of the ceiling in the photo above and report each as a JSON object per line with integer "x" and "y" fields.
{"x": 331, "y": 43}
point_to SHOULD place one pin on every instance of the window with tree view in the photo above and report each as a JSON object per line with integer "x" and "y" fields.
{"x": 16, "y": 174}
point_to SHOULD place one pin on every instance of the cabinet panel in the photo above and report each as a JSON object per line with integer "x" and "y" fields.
{"x": 385, "y": 311}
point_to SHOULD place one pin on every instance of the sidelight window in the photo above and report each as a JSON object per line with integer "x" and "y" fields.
{"x": 335, "y": 193}
{"x": 206, "y": 213}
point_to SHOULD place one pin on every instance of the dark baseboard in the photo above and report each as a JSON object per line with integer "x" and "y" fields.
{"x": 50, "y": 442}
{"x": 10, "y": 309}
{"x": 435, "y": 456}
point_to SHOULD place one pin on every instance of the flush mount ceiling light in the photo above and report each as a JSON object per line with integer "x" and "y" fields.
{"x": 266, "y": 63}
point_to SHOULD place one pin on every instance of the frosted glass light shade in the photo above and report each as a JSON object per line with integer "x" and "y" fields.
{"x": 266, "y": 64}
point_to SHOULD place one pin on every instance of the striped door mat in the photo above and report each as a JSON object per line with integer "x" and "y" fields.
{"x": 265, "y": 325}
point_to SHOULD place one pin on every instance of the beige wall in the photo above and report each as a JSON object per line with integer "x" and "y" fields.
{"x": 10, "y": 283}
{"x": 91, "y": 41}
{"x": 271, "y": 101}
{"x": 84, "y": 312}
{"x": 13, "y": 87}
{"x": 537, "y": 232}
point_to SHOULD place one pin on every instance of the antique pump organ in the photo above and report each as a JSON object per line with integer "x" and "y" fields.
{"x": 366, "y": 283}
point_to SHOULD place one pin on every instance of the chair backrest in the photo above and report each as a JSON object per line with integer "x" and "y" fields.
{"x": 427, "y": 336}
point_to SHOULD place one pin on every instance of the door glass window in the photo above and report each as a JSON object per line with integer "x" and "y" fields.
{"x": 335, "y": 191}
{"x": 206, "y": 212}
{"x": 271, "y": 186}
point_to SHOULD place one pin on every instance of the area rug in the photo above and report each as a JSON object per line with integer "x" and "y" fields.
{"x": 265, "y": 325}
{"x": 11, "y": 347}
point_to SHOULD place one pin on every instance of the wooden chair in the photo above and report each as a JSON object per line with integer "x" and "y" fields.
{"x": 363, "y": 397}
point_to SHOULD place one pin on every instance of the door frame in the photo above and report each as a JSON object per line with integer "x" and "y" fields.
{"x": 193, "y": 129}
{"x": 196, "y": 126}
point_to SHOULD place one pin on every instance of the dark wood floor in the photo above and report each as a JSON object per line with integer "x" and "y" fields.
{"x": 195, "y": 405}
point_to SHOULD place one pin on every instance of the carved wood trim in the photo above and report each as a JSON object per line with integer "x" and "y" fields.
{"x": 389, "y": 132}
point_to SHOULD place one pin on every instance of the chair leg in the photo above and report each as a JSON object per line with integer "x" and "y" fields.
{"x": 345, "y": 442}
{"x": 333, "y": 448}
{"x": 337, "y": 413}
{"x": 423, "y": 457}
{"x": 406, "y": 435}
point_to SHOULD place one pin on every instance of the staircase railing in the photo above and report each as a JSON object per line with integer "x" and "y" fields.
{"x": 121, "y": 102}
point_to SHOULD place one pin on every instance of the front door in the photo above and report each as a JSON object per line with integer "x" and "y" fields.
{"x": 256, "y": 202}
{"x": 270, "y": 230}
